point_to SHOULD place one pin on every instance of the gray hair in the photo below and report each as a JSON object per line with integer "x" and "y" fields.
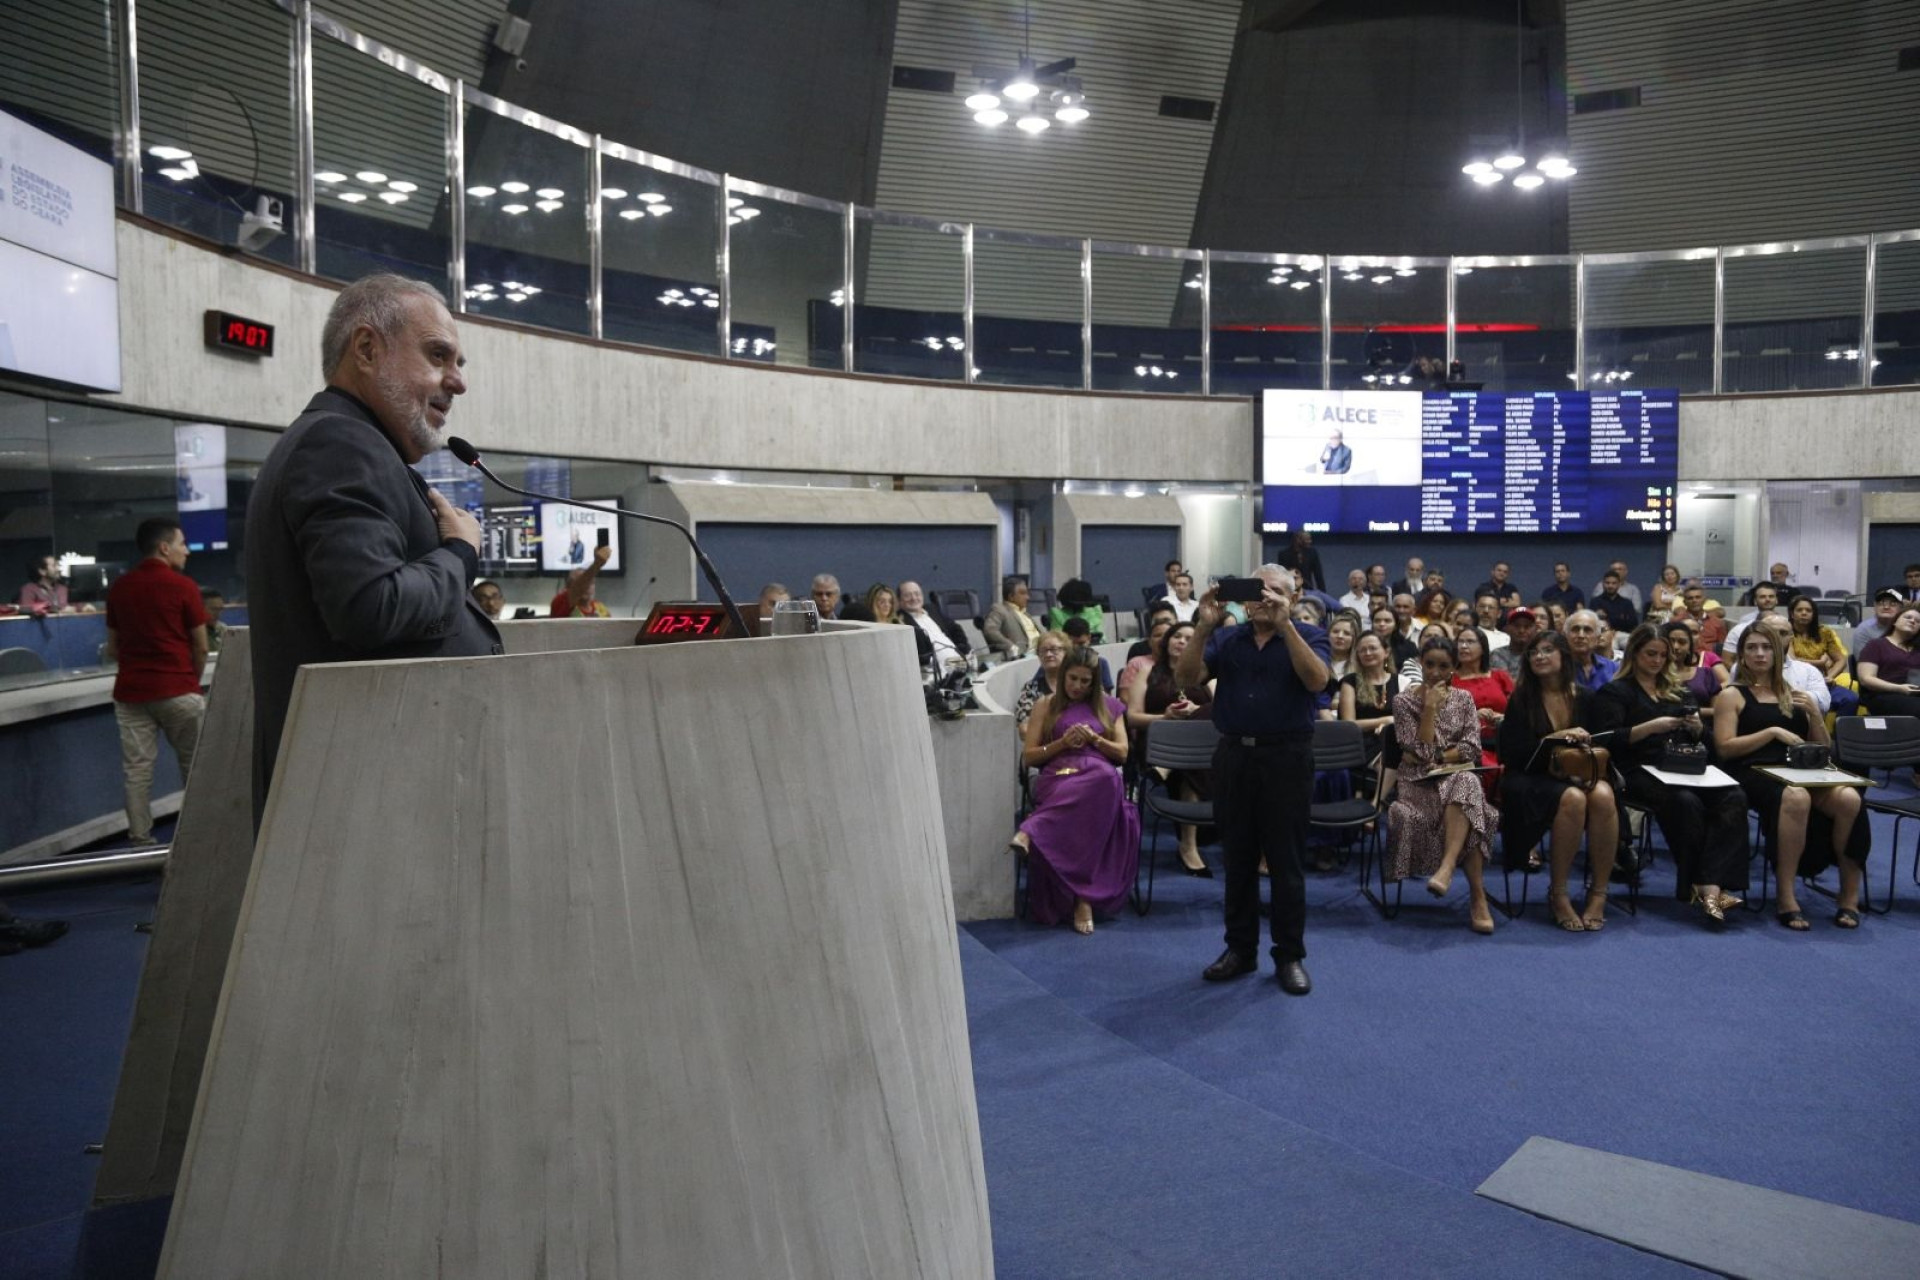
{"x": 1280, "y": 571}
{"x": 378, "y": 302}
{"x": 824, "y": 580}
{"x": 1012, "y": 583}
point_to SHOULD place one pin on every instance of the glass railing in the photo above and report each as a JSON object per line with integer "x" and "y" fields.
{"x": 388, "y": 164}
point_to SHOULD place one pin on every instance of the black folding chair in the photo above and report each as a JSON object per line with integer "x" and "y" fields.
{"x": 1866, "y": 743}
{"x": 1634, "y": 852}
{"x": 1340, "y": 744}
{"x": 1174, "y": 745}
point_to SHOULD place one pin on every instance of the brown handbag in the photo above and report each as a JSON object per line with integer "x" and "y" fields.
{"x": 1583, "y": 765}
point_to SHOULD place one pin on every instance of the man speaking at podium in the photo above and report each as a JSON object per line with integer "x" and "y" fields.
{"x": 350, "y": 554}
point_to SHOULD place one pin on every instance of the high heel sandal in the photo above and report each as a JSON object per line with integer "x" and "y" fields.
{"x": 1570, "y": 921}
{"x": 1594, "y": 918}
{"x": 1709, "y": 905}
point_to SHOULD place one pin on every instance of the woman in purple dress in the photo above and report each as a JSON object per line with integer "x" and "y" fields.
{"x": 1082, "y": 840}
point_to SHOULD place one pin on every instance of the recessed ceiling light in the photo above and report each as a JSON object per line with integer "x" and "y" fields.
{"x": 329, "y": 176}
{"x": 353, "y": 197}
{"x": 659, "y": 210}
{"x": 1488, "y": 178}
{"x": 1511, "y": 160}
{"x": 547, "y": 206}
{"x": 631, "y": 214}
{"x": 1032, "y": 124}
{"x": 1380, "y": 279}
{"x": 1477, "y": 168}
{"x": 481, "y": 193}
{"x": 550, "y": 193}
{"x": 1528, "y": 181}
{"x": 516, "y": 297}
{"x": 613, "y": 193}
{"x": 1071, "y": 115}
{"x": 513, "y": 188}
{"x": 372, "y": 177}
{"x": 1303, "y": 284}
{"x": 983, "y": 102}
{"x": 650, "y": 197}
{"x": 991, "y": 117}
{"x": 514, "y": 210}
{"x": 404, "y": 188}
{"x": 394, "y": 197}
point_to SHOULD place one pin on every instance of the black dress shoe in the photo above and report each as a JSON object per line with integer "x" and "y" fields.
{"x": 1231, "y": 964}
{"x": 1293, "y": 978}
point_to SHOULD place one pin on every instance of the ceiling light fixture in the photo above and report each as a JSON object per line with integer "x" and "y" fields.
{"x": 1514, "y": 156}
{"x": 550, "y": 193}
{"x": 329, "y": 177}
{"x": 1049, "y": 88}
{"x": 649, "y": 197}
{"x": 660, "y": 210}
{"x": 631, "y": 214}
{"x": 514, "y": 188}
{"x": 513, "y": 210}
{"x": 404, "y": 188}
{"x": 372, "y": 177}
{"x": 547, "y": 206}
{"x": 353, "y": 197}
{"x": 394, "y": 197}
{"x": 481, "y": 193}
{"x": 170, "y": 153}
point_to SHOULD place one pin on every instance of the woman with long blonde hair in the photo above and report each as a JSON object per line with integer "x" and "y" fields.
{"x": 1754, "y": 722}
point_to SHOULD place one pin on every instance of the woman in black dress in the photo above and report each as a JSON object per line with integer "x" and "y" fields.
{"x": 1366, "y": 698}
{"x": 1754, "y": 722}
{"x": 1648, "y": 706}
{"x": 1533, "y": 804}
{"x": 1158, "y": 696}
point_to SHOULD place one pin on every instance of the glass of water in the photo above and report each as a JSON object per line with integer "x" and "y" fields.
{"x": 795, "y": 618}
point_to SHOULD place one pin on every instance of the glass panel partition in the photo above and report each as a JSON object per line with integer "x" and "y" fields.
{"x": 660, "y": 280}
{"x": 1649, "y": 320}
{"x": 1146, "y": 320}
{"x": 1792, "y": 317}
{"x": 380, "y": 169}
{"x": 216, "y": 120}
{"x": 528, "y": 257}
{"x": 58, "y": 71}
{"x": 1896, "y": 311}
{"x": 910, "y": 296}
{"x": 1266, "y": 322}
{"x": 1513, "y": 323}
{"x": 1389, "y": 322}
{"x": 1026, "y": 309}
{"x": 787, "y": 255}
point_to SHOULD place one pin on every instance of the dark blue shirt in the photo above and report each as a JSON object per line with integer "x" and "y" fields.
{"x": 1571, "y": 597}
{"x": 1259, "y": 693}
{"x": 1604, "y": 669}
{"x": 1616, "y": 609}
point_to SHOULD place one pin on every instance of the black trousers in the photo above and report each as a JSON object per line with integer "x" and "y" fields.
{"x": 1705, "y": 827}
{"x": 1260, "y": 801}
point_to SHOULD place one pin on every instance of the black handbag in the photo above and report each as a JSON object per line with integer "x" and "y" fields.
{"x": 1681, "y": 755}
{"x": 1809, "y": 755}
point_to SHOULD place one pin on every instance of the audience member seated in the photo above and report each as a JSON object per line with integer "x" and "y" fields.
{"x": 1489, "y": 689}
{"x": 1803, "y": 676}
{"x": 1439, "y": 822}
{"x": 1308, "y": 610}
{"x": 1563, "y": 592}
{"x": 1049, "y": 651}
{"x": 1342, "y": 631}
{"x": 1138, "y": 664}
{"x": 1888, "y": 667}
{"x": 825, "y": 590}
{"x": 1886, "y": 607}
{"x": 936, "y": 638}
{"x": 1423, "y": 600}
{"x": 1816, "y": 645}
{"x": 1627, "y": 589}
{"x": 1304, "y": 561}
{"x": 1911, "y": 575}
{"x": 1486, "y": 616}
{"x": 1756, "y": 720}
{"x": 1415, "y": 581}
{"x": 43, "y": 592}
{"x": 1555, "y": 618}
{"x": 486, "y": 593}
{"x": 1366, "y": 698}
{"x": 1157, "y": 611}
{"x": 1697, "y": 608}
{"x": 1075, "y": 600}
{"x": 1410, "y": 670}
{"x": 1386, "y": 625}
{"x": 1784, "y": 591}
{"x": 1158, "y": 696}
{"x": 1356, "y": 597}
{"x": 761, "y": 619}
{"x": 1591, "y": 669}
{"x": 1500, "y": 586}
{"x": 1523, "y": 624}
{"x": 215, "y": 604}
{"x": 1766, "y": 602}
{"x": 1699, "y": 671}
{"x": 1646, "y": 707}
{"x": 1548, "y": 706}
{"x": 877, "y": 605}
{"x": 1163, "y": 589}
{"x": 1665, "y": 594}
{"x": 1082, "y": 839}
{"x": 1614, "y": 609}
{"x": 1077, "y": 634}
{"x": 1403, "y": 614}
{"x": 575, "y": 598}
{"x": 1182, "y": 601}
{"x": 1010, "y": 630}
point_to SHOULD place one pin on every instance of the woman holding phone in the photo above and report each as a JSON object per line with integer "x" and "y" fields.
{"x": 1439, "y": 822}
{"x": 1158, "y": 696}
{"x": 1082, "y": 840}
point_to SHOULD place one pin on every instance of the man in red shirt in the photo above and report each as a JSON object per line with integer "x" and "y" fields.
{"x": 575, "y": 599}
{"x": 157, "y": 631}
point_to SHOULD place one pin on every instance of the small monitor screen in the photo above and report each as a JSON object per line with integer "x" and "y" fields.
{"x": 568, "y": 535}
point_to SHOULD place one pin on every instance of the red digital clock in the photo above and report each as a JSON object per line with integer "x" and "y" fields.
{"x": 672, "y": 622}
{"x": 237, "y": 333}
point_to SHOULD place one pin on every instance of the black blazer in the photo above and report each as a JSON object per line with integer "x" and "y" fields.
{"x": 345, "y": 563}
{"x": 924, "y": 646}
{"x": 1518, "y": 740}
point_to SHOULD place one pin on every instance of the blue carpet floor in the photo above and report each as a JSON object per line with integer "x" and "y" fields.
{"x": 1139, "y": 1122}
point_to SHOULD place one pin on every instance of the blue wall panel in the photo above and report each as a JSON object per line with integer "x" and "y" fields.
{"x": 1119, "y": 559}
{"x": 938, "y": 557}
{"x": 1890, "y": 549}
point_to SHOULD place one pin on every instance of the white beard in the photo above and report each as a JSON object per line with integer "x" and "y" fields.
{"x": 420, "y": 433}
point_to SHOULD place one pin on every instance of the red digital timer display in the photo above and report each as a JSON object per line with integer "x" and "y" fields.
{"x": 237, "y": 333}
{"x": 670, "y": 622}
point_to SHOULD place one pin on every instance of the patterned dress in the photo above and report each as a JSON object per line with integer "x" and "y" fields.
{"x": 1416, "y": 839}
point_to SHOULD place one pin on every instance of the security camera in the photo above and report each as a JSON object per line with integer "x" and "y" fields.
{"x": 261, "y": 227}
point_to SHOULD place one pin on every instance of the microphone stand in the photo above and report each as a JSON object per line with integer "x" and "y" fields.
{"x": 471, "y": 456}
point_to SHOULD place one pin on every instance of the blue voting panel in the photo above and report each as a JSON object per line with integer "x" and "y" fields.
{"x": 1469, "y": 461}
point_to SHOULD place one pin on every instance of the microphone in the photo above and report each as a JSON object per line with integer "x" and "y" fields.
{"x": 471, "y": 456}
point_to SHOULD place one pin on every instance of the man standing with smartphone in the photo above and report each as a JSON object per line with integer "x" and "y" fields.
{"x": 1268, "y": 673}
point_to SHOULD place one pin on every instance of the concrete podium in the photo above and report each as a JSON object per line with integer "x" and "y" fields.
{"x": 588, "y": 961}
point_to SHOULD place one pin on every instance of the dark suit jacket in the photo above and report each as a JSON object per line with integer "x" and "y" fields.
{"x": 924, "y": 646}
{"x": 345, "y": 563}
